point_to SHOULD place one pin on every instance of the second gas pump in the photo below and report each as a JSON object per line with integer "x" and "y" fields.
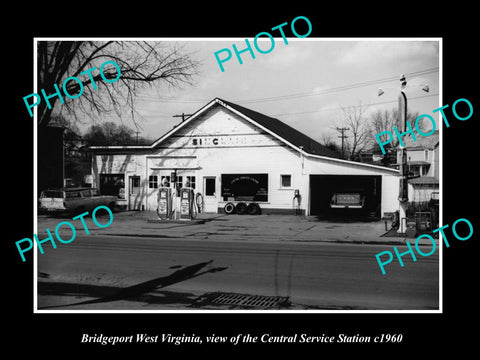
{"x": 187, "y": 206}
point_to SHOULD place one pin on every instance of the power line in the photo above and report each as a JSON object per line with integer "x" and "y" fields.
{"x": 171, "y": 99}
{"x": 294, "y": 95}
{"x": 322, "y": 110}
{"x": 339, "y": 108}
{"x": 339, "y": 88}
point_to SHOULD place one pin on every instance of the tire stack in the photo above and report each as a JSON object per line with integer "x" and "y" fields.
{"x": 242, "y": 208}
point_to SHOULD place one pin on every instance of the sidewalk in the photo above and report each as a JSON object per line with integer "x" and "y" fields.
{"x": 221, "y": 227}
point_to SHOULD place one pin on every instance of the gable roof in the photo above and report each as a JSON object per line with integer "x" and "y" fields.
{"x": 273, "y": 126}
{"x": 422, "y": 142}
{"x": 285, "y": 131}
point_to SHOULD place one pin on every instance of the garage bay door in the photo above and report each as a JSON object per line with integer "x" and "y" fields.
{"x": 324, "y": 187}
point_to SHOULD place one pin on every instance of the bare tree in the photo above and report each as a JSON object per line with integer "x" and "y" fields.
{"x": 141, "y": 64}
{"x": 327, "y": 141}
{"x": 356, "y": 120}
{"x": 385, "y": 120}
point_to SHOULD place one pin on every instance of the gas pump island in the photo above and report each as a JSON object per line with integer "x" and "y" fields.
{"x": 178, "y": 203}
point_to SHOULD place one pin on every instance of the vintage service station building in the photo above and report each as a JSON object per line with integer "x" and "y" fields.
{"x": 231, "y": 153}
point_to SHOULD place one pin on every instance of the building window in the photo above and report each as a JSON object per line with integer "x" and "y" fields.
{"x": 285, "y": 181}
{"x": 179, "y": 184}
{"x": 165, "y": 181}
{"x": 426, "y": 154}
{"x": 190, "y": 182}
{"x": 153, "y": 182}
{"x": 415, "y": 170}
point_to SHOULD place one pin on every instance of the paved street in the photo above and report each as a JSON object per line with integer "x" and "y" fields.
{"x": 153, "y": 273}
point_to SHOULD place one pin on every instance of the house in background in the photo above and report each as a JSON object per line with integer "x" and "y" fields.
{"x": 375, "y": 156}
{"x": 422, "y": 161}
{"x": 50, "y": 158}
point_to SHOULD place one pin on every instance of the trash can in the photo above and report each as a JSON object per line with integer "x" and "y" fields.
{"x": 423, "y": 221}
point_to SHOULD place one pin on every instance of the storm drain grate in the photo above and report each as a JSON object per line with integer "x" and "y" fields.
{"x": 249, "y": 300}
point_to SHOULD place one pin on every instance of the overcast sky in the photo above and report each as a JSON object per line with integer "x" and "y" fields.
{"x": 304, "y": 83}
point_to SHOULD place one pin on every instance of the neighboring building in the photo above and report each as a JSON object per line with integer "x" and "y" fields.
{"x": 229, "y": 153}
{"x": 77, "y": 162}
{"x": 63, "y": 159}
{"x": 422, "y": 161}
{"x": 50, "y": 155}
{"x": 375, "y": 156}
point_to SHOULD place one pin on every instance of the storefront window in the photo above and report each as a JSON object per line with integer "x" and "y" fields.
{"x": 245, "y": 187}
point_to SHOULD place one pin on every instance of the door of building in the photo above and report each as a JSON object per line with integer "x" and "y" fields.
{"x": 134, "y": 198}
{"x": 210, "y": 194}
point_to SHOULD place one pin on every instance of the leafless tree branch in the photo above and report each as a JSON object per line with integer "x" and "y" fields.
{"x": 355, "y": 119}
{"x": 141, "y": 64}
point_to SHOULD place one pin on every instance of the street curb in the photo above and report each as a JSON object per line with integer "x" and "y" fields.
{"x": 183, "y": 222}
{"x": 250, "y": 239}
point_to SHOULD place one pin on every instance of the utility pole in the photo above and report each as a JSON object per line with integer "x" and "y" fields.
{"x": 182, "y": 116}
{"x": 343, "y": 136}
{"x": 403, "y": 183}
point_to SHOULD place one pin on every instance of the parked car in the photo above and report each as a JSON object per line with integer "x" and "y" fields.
{"x": 73, "y": 201}
{"x": 347, "y": 200}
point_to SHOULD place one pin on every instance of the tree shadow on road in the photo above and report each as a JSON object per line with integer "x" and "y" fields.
{"x": 134, "y": 291}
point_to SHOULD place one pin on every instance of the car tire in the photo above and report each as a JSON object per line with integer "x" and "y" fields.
{"x": 229, "y": 208}
{"x": 241, "y": 208}
{"x": 112, "y": 206}
{"x": 253, "y": 209}
{"x": 79, "y": 210}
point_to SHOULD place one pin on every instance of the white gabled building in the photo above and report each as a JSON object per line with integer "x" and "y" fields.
{"x": 228, "y": 152}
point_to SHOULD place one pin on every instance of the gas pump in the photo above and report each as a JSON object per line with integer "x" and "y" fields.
{"x": 188, "y": 210}
{"x": 164, "y": 209}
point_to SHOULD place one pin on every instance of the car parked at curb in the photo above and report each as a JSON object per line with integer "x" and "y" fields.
{"x": 73, "y": 201}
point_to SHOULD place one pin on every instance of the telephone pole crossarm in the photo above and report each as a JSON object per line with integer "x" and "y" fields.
{"x": 183, "y": 116}
{"x": 343, "y": 136}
